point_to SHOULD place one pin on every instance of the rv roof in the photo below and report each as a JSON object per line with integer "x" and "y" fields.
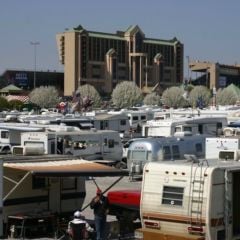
{"x": 185, "y": 165}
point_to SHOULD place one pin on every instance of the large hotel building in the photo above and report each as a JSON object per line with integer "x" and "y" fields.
{"x": 104, "y": 60}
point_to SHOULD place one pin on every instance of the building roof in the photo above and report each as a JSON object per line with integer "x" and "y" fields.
{"x": 10, "y": 88}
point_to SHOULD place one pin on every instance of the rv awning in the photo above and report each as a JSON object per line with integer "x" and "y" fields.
{"x": 66, "y": 168}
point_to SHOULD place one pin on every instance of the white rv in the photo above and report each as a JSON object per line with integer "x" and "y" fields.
{"x": 89, "y": 144}
{"x": 190, "y": 200}
{"x": 142, "y": 151}
{"x": 211, "y": 126}
{"x": 230, "y": 140}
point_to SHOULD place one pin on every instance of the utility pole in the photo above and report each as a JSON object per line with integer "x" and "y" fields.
{"x": 35, "y": 61}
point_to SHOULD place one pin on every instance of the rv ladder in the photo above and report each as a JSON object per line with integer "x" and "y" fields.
{"x": 196, "y": 199}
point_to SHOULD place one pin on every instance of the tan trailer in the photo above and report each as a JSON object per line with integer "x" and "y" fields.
{"x": 191, "y": 200}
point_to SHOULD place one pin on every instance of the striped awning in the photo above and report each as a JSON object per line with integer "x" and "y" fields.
{"x": 24, "y": 99}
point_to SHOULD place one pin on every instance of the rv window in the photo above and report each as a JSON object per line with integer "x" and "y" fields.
{"x": 123, "y": 122}
{"x": 38, "y": 182}
{"x": 143, "y": 117}
{"x": 139, "y": 155}
{"x": 178, "y": 129}
{"x": 200, "y": 128}
{"x": 135, "y": 118}
{"x": 187, "y": 129}
{"x": 175, "y": 152}
{"x": 172, "y": 195}
{"x": 80, "y": 145}
{"x": 199, "y": 148}
{"x": 111, "y": 143}
{"x": 4, "y": 134}
{"x": 166, "y": 153}
{"x": 69, "y": 183}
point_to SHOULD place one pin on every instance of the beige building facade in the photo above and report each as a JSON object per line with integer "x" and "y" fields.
{"x": 104, "y": 59}
{"x": 215, "y": 75}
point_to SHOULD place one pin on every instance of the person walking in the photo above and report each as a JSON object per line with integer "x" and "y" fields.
{"x": 99, "y": 204}
{"x": 79, "y": 228}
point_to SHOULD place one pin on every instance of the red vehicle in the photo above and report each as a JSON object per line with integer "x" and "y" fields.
{"x": 125, "y": 203}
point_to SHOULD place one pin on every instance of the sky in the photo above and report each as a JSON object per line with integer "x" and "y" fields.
{"x": 209, "y": 29}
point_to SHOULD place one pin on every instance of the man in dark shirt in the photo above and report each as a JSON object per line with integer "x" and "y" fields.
{"x": 99, "y": 204}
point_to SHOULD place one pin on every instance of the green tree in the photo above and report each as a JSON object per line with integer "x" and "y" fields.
{"x": 88, "y": 91}
{"x": 152, "y": 99}
{"x": 3, "y": 104}
{"x": 173, "y": 97}
{"x": 126, "y": 94}
{"x": 228, "y": 95}
{"x": 45, "y": 96}
{"x": 200, "y": 96}
{"x": 16, "y": 104}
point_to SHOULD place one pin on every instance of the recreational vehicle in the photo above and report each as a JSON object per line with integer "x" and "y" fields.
{"x": 211, "y": 126}
{"x": 190, "y": 200}
{"x": 50, "y": 185}
{"x": 146, "y": 150}
{"x": 89, "y": 144}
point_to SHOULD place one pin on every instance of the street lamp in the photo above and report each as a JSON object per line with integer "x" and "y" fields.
{"x": 35, "y": 61}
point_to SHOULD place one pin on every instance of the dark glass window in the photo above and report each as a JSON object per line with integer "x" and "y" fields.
{"x": 38, "y": 182}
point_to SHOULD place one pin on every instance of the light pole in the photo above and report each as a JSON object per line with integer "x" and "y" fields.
{"x": 35, "y": 61}
{"x": 188, "y": 68}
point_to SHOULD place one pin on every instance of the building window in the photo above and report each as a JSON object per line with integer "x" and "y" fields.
{"x": 172, "y": 195}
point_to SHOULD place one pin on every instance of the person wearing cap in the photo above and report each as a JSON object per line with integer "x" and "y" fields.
{"x": 99, "y": 204}
{"x": 79, "y": 228}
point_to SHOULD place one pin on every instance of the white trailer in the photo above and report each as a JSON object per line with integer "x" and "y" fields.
{"x": 89, "y": 144}
{"x": 207, "y": 125}
{"x": 216, "y": 144}
{"x": 190, "y": 200}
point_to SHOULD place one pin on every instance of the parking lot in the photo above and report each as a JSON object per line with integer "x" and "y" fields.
{"x": 103, "y": 183}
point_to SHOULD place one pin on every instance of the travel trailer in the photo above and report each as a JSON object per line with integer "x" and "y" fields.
{"x": 73, "y": 120}
{"x": 211, "y": 126}
{"x": 230, "y": 140}
{"x": 89, "y": 144}
{"x": 192, "y": 199}
{"x": 142, "y": 151}
{"x": 43, "y": 185}
{"x": 116, "y": 122}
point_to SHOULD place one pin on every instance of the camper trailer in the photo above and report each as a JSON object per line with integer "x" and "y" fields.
{"x": 146, "y": 150}
{"x": 89, "y": 144}
{"x": 41, "y": 187}
{"x": 191, "y": 199}
{"x": 211, "y": 126}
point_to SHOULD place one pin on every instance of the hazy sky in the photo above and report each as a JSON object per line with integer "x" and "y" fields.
{"x": 209, "y": 29}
